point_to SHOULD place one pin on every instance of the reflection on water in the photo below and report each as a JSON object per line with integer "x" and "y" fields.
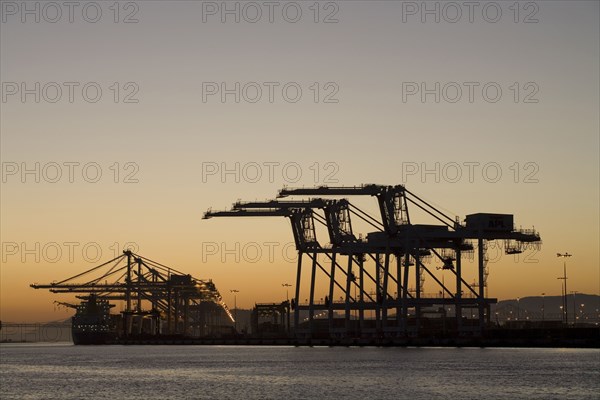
{"x": 42, "y": 371}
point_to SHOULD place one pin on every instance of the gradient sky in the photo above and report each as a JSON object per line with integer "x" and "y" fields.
{"x": 370, "y": 134}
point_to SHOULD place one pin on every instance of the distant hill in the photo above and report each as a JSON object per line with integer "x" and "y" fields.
{"x": 586, "y": 308}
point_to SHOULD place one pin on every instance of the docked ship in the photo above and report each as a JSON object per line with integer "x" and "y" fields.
{"x": 92, "y": 322}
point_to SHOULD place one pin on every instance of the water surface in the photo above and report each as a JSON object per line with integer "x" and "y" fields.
{"x": 65, "y": 371}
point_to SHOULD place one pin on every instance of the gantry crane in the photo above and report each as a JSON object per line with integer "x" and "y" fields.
{"x": 168, "y": 294}
{"x": 395, "y": 237}
{"x": 393, "y": 204}
{"x": 302, "y": 218}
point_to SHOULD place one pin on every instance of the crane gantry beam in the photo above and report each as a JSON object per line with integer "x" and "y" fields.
{"x": 337, "y": 214}
{"x": 391, "y": 199}
{"x": 302, "y": 220}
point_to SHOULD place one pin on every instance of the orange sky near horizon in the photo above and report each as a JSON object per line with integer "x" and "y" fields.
{"x": 138, "y": 167}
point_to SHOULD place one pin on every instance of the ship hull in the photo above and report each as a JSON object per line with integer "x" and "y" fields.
{"x": 93, "y": 323}
{"x": 92, "y": 337}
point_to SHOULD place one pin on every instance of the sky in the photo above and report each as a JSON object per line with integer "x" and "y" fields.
{"x": 121, "y": 123}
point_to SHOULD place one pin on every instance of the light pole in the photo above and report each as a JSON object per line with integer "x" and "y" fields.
{"x": 564, "y": 279}
{"x": 574, "y": 292}
{"x": 286, "y": 286}
{"x": 562, "y": 310}
{"x": 543, "y": 306}
{"x": 235, "y": 292}
{"x": 287, "y": 297}
{"x": 518, "y": 309}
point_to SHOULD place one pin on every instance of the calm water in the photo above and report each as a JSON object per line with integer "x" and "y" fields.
{"x": 64, "y": 371}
